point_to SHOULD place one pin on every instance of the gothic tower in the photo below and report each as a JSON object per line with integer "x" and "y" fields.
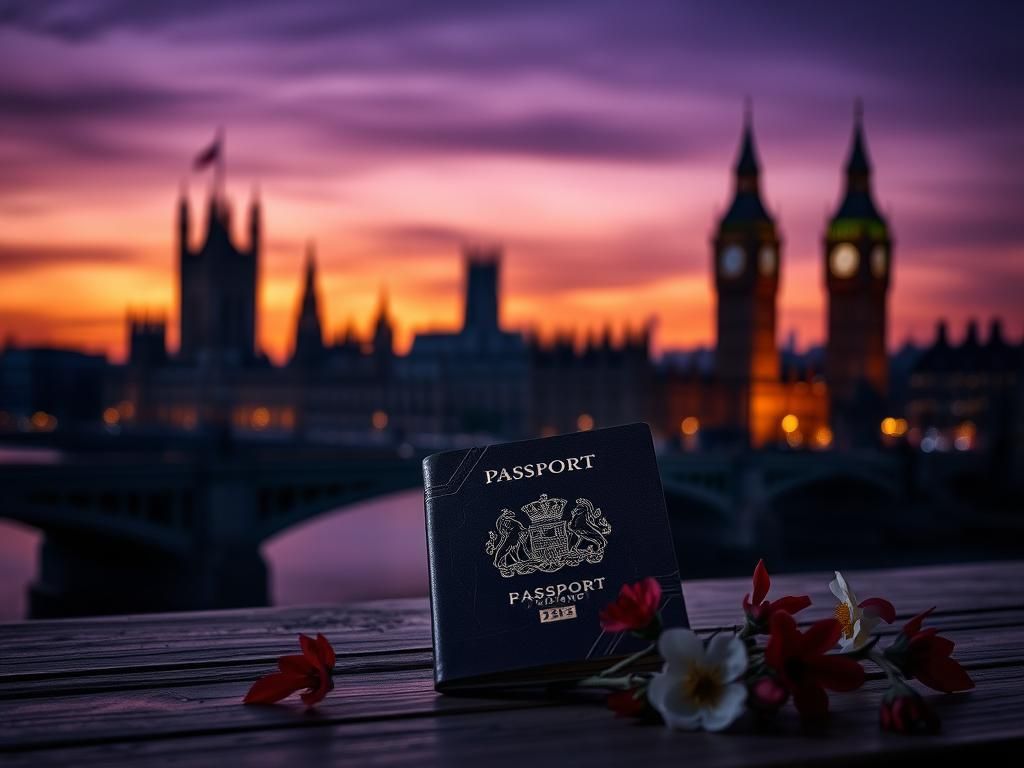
{"x": 217, "y": 288}
{"x": 481, "y": 313}
{"x": 857, "y": 267}
{"x": 746, "y": 268}
{"x": 383, "y": 336}
{"x": 309, "y": 337}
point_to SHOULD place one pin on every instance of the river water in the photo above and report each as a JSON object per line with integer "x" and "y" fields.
{"x": 370, "y": 550}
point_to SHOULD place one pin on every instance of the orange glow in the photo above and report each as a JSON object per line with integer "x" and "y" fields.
{"x": 379, "y": 420}
{"x": 823, "y": 437}
{"x": 690, "y": 425}
{"x": 111, "y": 416}
{"x": 585, "y": 422}
{"x": 790, "y": 423}
{"x": 260, "y": 418}
{"x": 43, "y": 422}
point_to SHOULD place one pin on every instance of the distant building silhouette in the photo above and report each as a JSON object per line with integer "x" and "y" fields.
{"x": 309, "y": 336}
{"x": 967, "y": 396}
{"x": 217, "y": 287}
{"x": 748, "y": 397}
{"x": 482, "y": 371}
{"x": 483, "y": 378}
{"x": 857, "y": 266}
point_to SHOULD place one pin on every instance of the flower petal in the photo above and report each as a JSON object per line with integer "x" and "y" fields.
{"x": 275, "y": 687}
{"x": 665, "y": 693}
{"x": 790, "y": 603}
{"x": 913, "y": 626}
{"x": 679, "y": 646}
{"x": 729, "y": 654}
{"x": 782, "y": 640}
{"x": 316, "y": 693}
{"x": 838, "y": 588}
{"x": 627, "y": 703}
{"x": 810, "y": 701}
{"x": 730, "y": 707}
{"x": 296, "y": 665}
{"x": 308, "y": 645}
{"x": 838, "y": 673}
{"x": 880, "y": 607}
{"x": 942, "y": 673}
{"x": 325, "y": 652}
{"x": 762, "y": 582}
{"x": 651, "y": 590}
{"x": 821, "y": 636}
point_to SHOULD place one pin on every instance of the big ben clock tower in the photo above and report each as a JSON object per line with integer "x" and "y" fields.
{"x": 858, "y": 261}
{"x": 746, "y": 268}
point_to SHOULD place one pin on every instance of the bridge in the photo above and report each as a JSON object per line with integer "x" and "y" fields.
{"x": 126, "y": 533}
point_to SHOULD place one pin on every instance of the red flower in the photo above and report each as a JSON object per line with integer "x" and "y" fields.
{"x": 312, "y": 670}
{"x": 766, "y": 694}
{"x": 636, "y": 608}
{"x": 760, "y": 611}
{"x": 904, "y": 711}
{"x": 628, "y": 703}
{"x": 803, "y": 666}
{"x": 921, "y": 653}
{"x": 880, "y": 607}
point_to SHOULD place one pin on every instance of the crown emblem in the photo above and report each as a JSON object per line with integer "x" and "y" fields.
{"x": 551, "y": 541}
{"x": 544, "y": 510}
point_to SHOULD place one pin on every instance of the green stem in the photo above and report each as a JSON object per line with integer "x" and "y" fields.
{"x": 626, "y": 662}
{"x": 624, "y": 683}
{"x": 895, "y": 678}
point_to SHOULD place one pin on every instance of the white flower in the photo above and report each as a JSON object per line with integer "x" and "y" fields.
{"x": 856, "y": 624}
{"x": 699, "y": 688}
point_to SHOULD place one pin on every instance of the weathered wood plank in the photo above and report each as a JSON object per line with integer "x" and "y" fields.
{"x": 582, "y": 734}
{"x": 186, "y": 705}
{"x": 169, "y": 670}
{"x": 224, "y": 637}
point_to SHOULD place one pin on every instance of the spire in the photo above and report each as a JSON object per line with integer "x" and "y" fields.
{"x": 746, "y": 206}
{"x": 310, "y": 284}
{"x": 858, "y": 166}
{"x": 857, "y": 200}
{"x": 183, "y": 224}
{"x": 309, "y": 339}
{"x": 255, "y": 221}
{"x": 382, "y": 305}
{"x": 383, "y": 335}
{"x": 747, "y": 167}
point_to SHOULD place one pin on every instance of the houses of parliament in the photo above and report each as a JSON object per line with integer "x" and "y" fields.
{"x": 485, "y": 380}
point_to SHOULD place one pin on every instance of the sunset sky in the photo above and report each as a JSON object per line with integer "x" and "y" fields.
{"x": 593, "y": 140}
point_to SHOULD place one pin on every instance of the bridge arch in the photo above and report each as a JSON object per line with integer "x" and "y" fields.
{"x": 280, "y": 506}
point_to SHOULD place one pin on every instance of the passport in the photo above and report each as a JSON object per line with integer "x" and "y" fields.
{"x": 528, "y": 541}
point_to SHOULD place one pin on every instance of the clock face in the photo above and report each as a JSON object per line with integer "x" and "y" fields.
{"x": 844, "y": 260}
{"x": 879, "y": 261}
{"x": 766, "y": 260}
{"x": 733, "y": 259}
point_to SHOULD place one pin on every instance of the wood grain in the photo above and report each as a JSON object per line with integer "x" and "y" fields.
{"x": 165, "y": 689}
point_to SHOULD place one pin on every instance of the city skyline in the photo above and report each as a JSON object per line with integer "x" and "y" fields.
{"x": 602, "y": 177}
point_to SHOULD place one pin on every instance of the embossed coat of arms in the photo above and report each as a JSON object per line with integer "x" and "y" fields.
{"x": 551, "y": 542}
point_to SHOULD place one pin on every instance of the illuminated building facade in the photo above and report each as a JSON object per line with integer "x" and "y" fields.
{"x": 483, "y": 379}
{"x": 967, "y": 396}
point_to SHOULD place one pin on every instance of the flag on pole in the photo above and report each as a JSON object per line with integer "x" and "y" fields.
{"x": 209, "y": 155}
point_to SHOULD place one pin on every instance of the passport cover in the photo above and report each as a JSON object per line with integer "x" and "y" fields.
{"x": 527, "y": 541}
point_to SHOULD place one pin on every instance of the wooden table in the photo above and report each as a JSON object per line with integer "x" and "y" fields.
{"x": 166, "y": 689}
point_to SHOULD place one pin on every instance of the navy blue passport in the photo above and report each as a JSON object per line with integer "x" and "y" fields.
{"x": 527, "y": 541}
